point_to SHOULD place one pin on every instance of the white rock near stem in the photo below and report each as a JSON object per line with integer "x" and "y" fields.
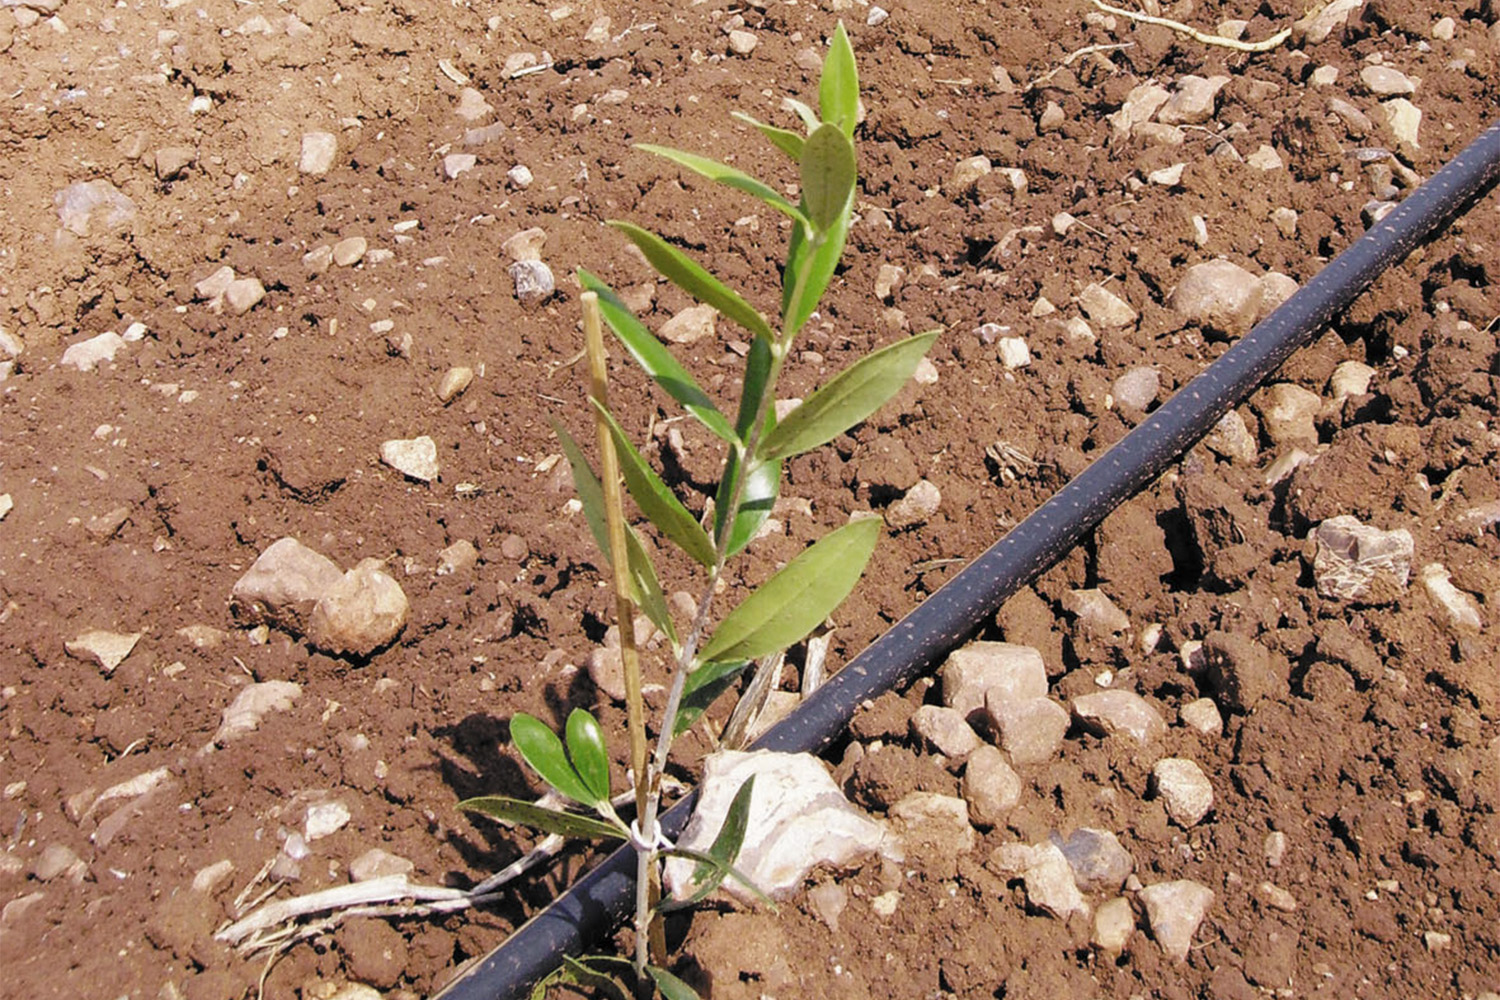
{"x": 798, "y": 820}
{"x": 365, "y": 611}
{"x": 283, "y": 584}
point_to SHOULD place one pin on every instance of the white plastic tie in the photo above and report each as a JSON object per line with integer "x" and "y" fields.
{"x": 642, "y": 844}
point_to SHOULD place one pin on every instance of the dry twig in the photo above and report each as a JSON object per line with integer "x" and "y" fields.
{"x": 1264, "y": 45}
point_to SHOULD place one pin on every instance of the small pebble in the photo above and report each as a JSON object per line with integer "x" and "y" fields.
{"x": 1114, "y": 922}
{"x": 318, "y": 152}
{"x": 742, "y": 43}
{"x": 1104, "y": 307}
{"x": 454, "y": 381}
{"x": 519, "y": 177}
{"x": 1014, "y": 353}
{"x": 350, "y": 251}
{"x": 1383, "y": 81}
{"x": 106, "y": 649}
{"x": 990, "y": 786}
{"x": 1174, "y": 910}
{"x": 325, "y": 819}
{"x": 1203, "y": 715}
{"x": 916, "y": 507}
{"x": 1276, "y": 897}
{"x": 458, "y": 164}
{"x": 689, "y": 325}
{"x": 414, "y": 457}
{"x": 1184, "y": 789}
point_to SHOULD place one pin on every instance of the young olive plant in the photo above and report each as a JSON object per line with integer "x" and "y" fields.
{"x": 795, "y": 600}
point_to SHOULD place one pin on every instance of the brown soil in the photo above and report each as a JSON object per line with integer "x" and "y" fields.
{"x": 143, "y": 489}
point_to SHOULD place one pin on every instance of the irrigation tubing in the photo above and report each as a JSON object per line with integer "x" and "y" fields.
{"x": 603, "y": 897}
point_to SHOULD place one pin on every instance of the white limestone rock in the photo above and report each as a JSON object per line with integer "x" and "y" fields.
{"x": 106, "y": 649}
{"x": 283, "y": 584}
{"x": 1174, "y": 910}
{"x": 414, "y": 457}
{"x": 1359, "y": 562}
{"x": 252, "y": 705}
{"x": 1119, "y": 712}
{"x": 1218, "y": 295}
{"x": 361, "y": 613}
{"x": 1184, "y": 789}
{"x": 1015, "y": 672}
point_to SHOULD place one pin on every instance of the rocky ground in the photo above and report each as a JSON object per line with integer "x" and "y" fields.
{"x": 258, "y": 281}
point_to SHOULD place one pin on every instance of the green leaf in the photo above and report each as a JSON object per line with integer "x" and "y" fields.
{"x": 544, "y": 752}
{"x": 669, "y": 905}
{"x": 670, "y": 986}
{"x": 727, "y": 175}
{"x": 726, "y": 846}
{"x": 756, "y": 501}
{"x": 690, "y": 276}
{"x": 655, "y": 359}
{"x": 645, "y": 587}
{"x": 828, "y": 176}
{"x": 541, "y": 818}
{"x": 819, "y": 258}
{"x": 657, "y": 502}
{"x": 587, "y": 752}
{"x": 792, "y": 603}
{"x": 702, "y": 687}
{"x": 583, "y": 975}
{"x": 785, "y": 140}
{"x": 838, "y": 90}
{"x": 808, "y": 115}
{"x": 851, "y": 396}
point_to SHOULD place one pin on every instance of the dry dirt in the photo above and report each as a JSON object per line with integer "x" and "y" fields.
{"x": 143, "y": 489}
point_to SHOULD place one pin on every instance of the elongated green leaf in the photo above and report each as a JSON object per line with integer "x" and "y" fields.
{"x": 670, "y": 986}
{"x": 799, "y": 301}
{"x": 587, "y": 752}
{"x": 808, "y": 115}
{"x": 787, "y": 141}
{"x": 756, "y": 501}
{"x": 828, "y": 176}
{"x": 541, "y": 818}
{"x": 669, "y": 905}
{"x": 544, "y": 752}
{"x": 727, "y": 175}
{"x": 645, "y": 587}
{"x": 657, "y": 502}
{"x": 838, "y": 90}
{"x": 584, "y": 975}
{"x": 851, "y": 396}
{"x": 655, "y": 359}
{"x": 792, "y": 603}
{"x": 690, "y": 276}
{"x": 726, "y": 846}
{"x": 702, "y": 688}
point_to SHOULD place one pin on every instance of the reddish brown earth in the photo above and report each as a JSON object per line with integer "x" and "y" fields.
{"x": 143, "y": 489}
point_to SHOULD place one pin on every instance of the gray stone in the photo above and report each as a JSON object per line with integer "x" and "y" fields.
{"x": 1141, "y": 104}
{"x": 1096, "y": 613}
{"x": 945, "y": 730}
{"x": 1276, "y": 897}
{"x": 525, "y": 245}
{"x": 1218, "y": 295}
{"x": 242, "y": 295}
{"x": 915, "y": 507}
{"x": 1232, "y": 439}
{"x": 1173, "y": 911}
{"x": 86, "y": 355}
{"x": 1137, "y": 388}
{"x": 1184, "y": 789}
{"x": 828, "y": 902}
{"x": 364, "y": 611}
{"x": 1358, "y": 562}
{"x": 1119, "y": 712}
{"x": 519, "y": 177}
{"x": 1105, "y": 308}
{"x": 172, "y": 162}
{"x": 252, "y": 705}
{"x": 454, "y": 381}
{"x": 56, "y": 860}
{"x": 742, "y": 43}
{"x": 1030, "y": 731}
{"x": 1193, "y": 101}
{"x": 798, "y": 820}
{"x": 990, "y": 786}
{"x": 457, "y": 558}
{"x": 87, "y": 207}
{"x": 1099, "y": 862}
{"x": 1350, "y": 378}
{"x": 377, "y": 863}
{"x": 472, "y": 106}
{"x": 1405, "y": 121}
{"x": 350, "y": 251}
{"x": 533, "y": 280}
{"x": 1014, "y": 352}
{"x": 1320, "y": 21}
{"x": 208, "y": 879}
{"x": 283, "y": 584}
{"x": 324, "y": 819}
{"x": 1459, "y": 610}
{"x": 965, "y": 173}
{"x": 318, "y": 152}
{"x": 414, "y": 457}
{"x": 1015, "y": 673}
{"x": 1114, "y": 922}
{"x": 1264, "y": 158}
{"x": 1288, "y": 414}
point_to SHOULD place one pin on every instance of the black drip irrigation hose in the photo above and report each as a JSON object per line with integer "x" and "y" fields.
{"x": 603, "y": 897}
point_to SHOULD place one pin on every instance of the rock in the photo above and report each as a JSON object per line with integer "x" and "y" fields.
{"x": 56, "y": 860}
{"x": 1405, "y": 121}
{"x": 690, "y": 325}
{"x": 1051, "y": 118}
{"x": 1015, "y": 673}
{"x": 1232, "y": 439}
{"x": 1174, "y": 910}
{"x": 1030, "y": 731}
{"x": 1355, "y": 121}
{"x": 242, "y": 295}
{"x": 457, "y": 558}
{"x": 1137, "y": 388}
{"x": 364, "y": 611}
{"x": 86, "y": 355}
{"x": 455, "y": 380}
{"x": 1203, "y": 715}
{"x": 1264, "y": 158}
{"x": 1350, "y": 378}
{"x": 1357, "y": 562}
{"x": 1184, "y": 789}
{"x": 1049, "y": 883}
{"x": 172, "y": 162}
{"x": 888, "y": 280}
{"x": 934, "y": 824}
{"x": 350, "y": 251}
{"x": 1285, "y": 221}
{"x": 945, "y": 730}
{"x": 965, "y": 174}
{"x": 1218, "y": 295}
{"x": 1141, "y": 104}
{"x": 828, "y": 902}
{"x": 1095, "y": 612}
{"x": 318, "y": 260}
{"x": 1275, "y": 848}
{"x": 519, "y": 177}
{"x": 1319, "y": 22}
{"x": 1098, "y": 861}
{"x": 1104, "y": 307}
{"x": 107, "y": 525}
{"x": 1118, "y": 712}
{"x": 1240, "y": 671}
{"x": 1014, "y": 352}
{"x": 414, "y": 457}
{"x": 377, "y": 863}
{"x": 1193, "y": 101}
{"x": 533, "y": 280}
{"x": 1458, "y": 609}
{"x": 1276, "y": 897}
{"x": 525, "y": 245}
{"x": 1383, "y": 81}
{"x": 324, "y": 819}
{"x": 106, "y": 649}
{"x": 318, "y": 152}
{"x": 472, "y": 106}
{"x": 253, "y": 704}
{"x": 208, "y": 879}
{"x": 916, "y": 507}
{"x": 283, "y": 584}
{"x": 798, "y": 820}
{"x": 1167, "y": 176}
{"x": 1114, "y": 922}
{"x": 1287, "y": 414}
{"x": 990, "y": 786}
{"x": 742, "y": 43}
{"x": 89, "y": 206}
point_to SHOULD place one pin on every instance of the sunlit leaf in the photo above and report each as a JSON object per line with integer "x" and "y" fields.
{"x": 587, "y": 752}
{"x": 787, "y": 141}
{"x": 838, "y": 90}
{"x": 655, "y": 359}
{"x": 757, "y": 498}
{"x": 792, "y": 603}
{"x": 800, "y": 296}
{"x": 828, "y": 176}
{"x": 670, "y": 986}
{"x": 645, "y": 587}
{"x": 542, "y": 749}
{"x": 726, "y": 846}
{"x": 727, "y": 175}
{"x": 702, "y": 687}
{"x": 656, "y": 500}
{"x": 541, "y": 818}
{"x": 849, "y": 397}
{"x": 808, "y": 115}
{"x": 708, "y": 861}
{"x": 687, "y": 274}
